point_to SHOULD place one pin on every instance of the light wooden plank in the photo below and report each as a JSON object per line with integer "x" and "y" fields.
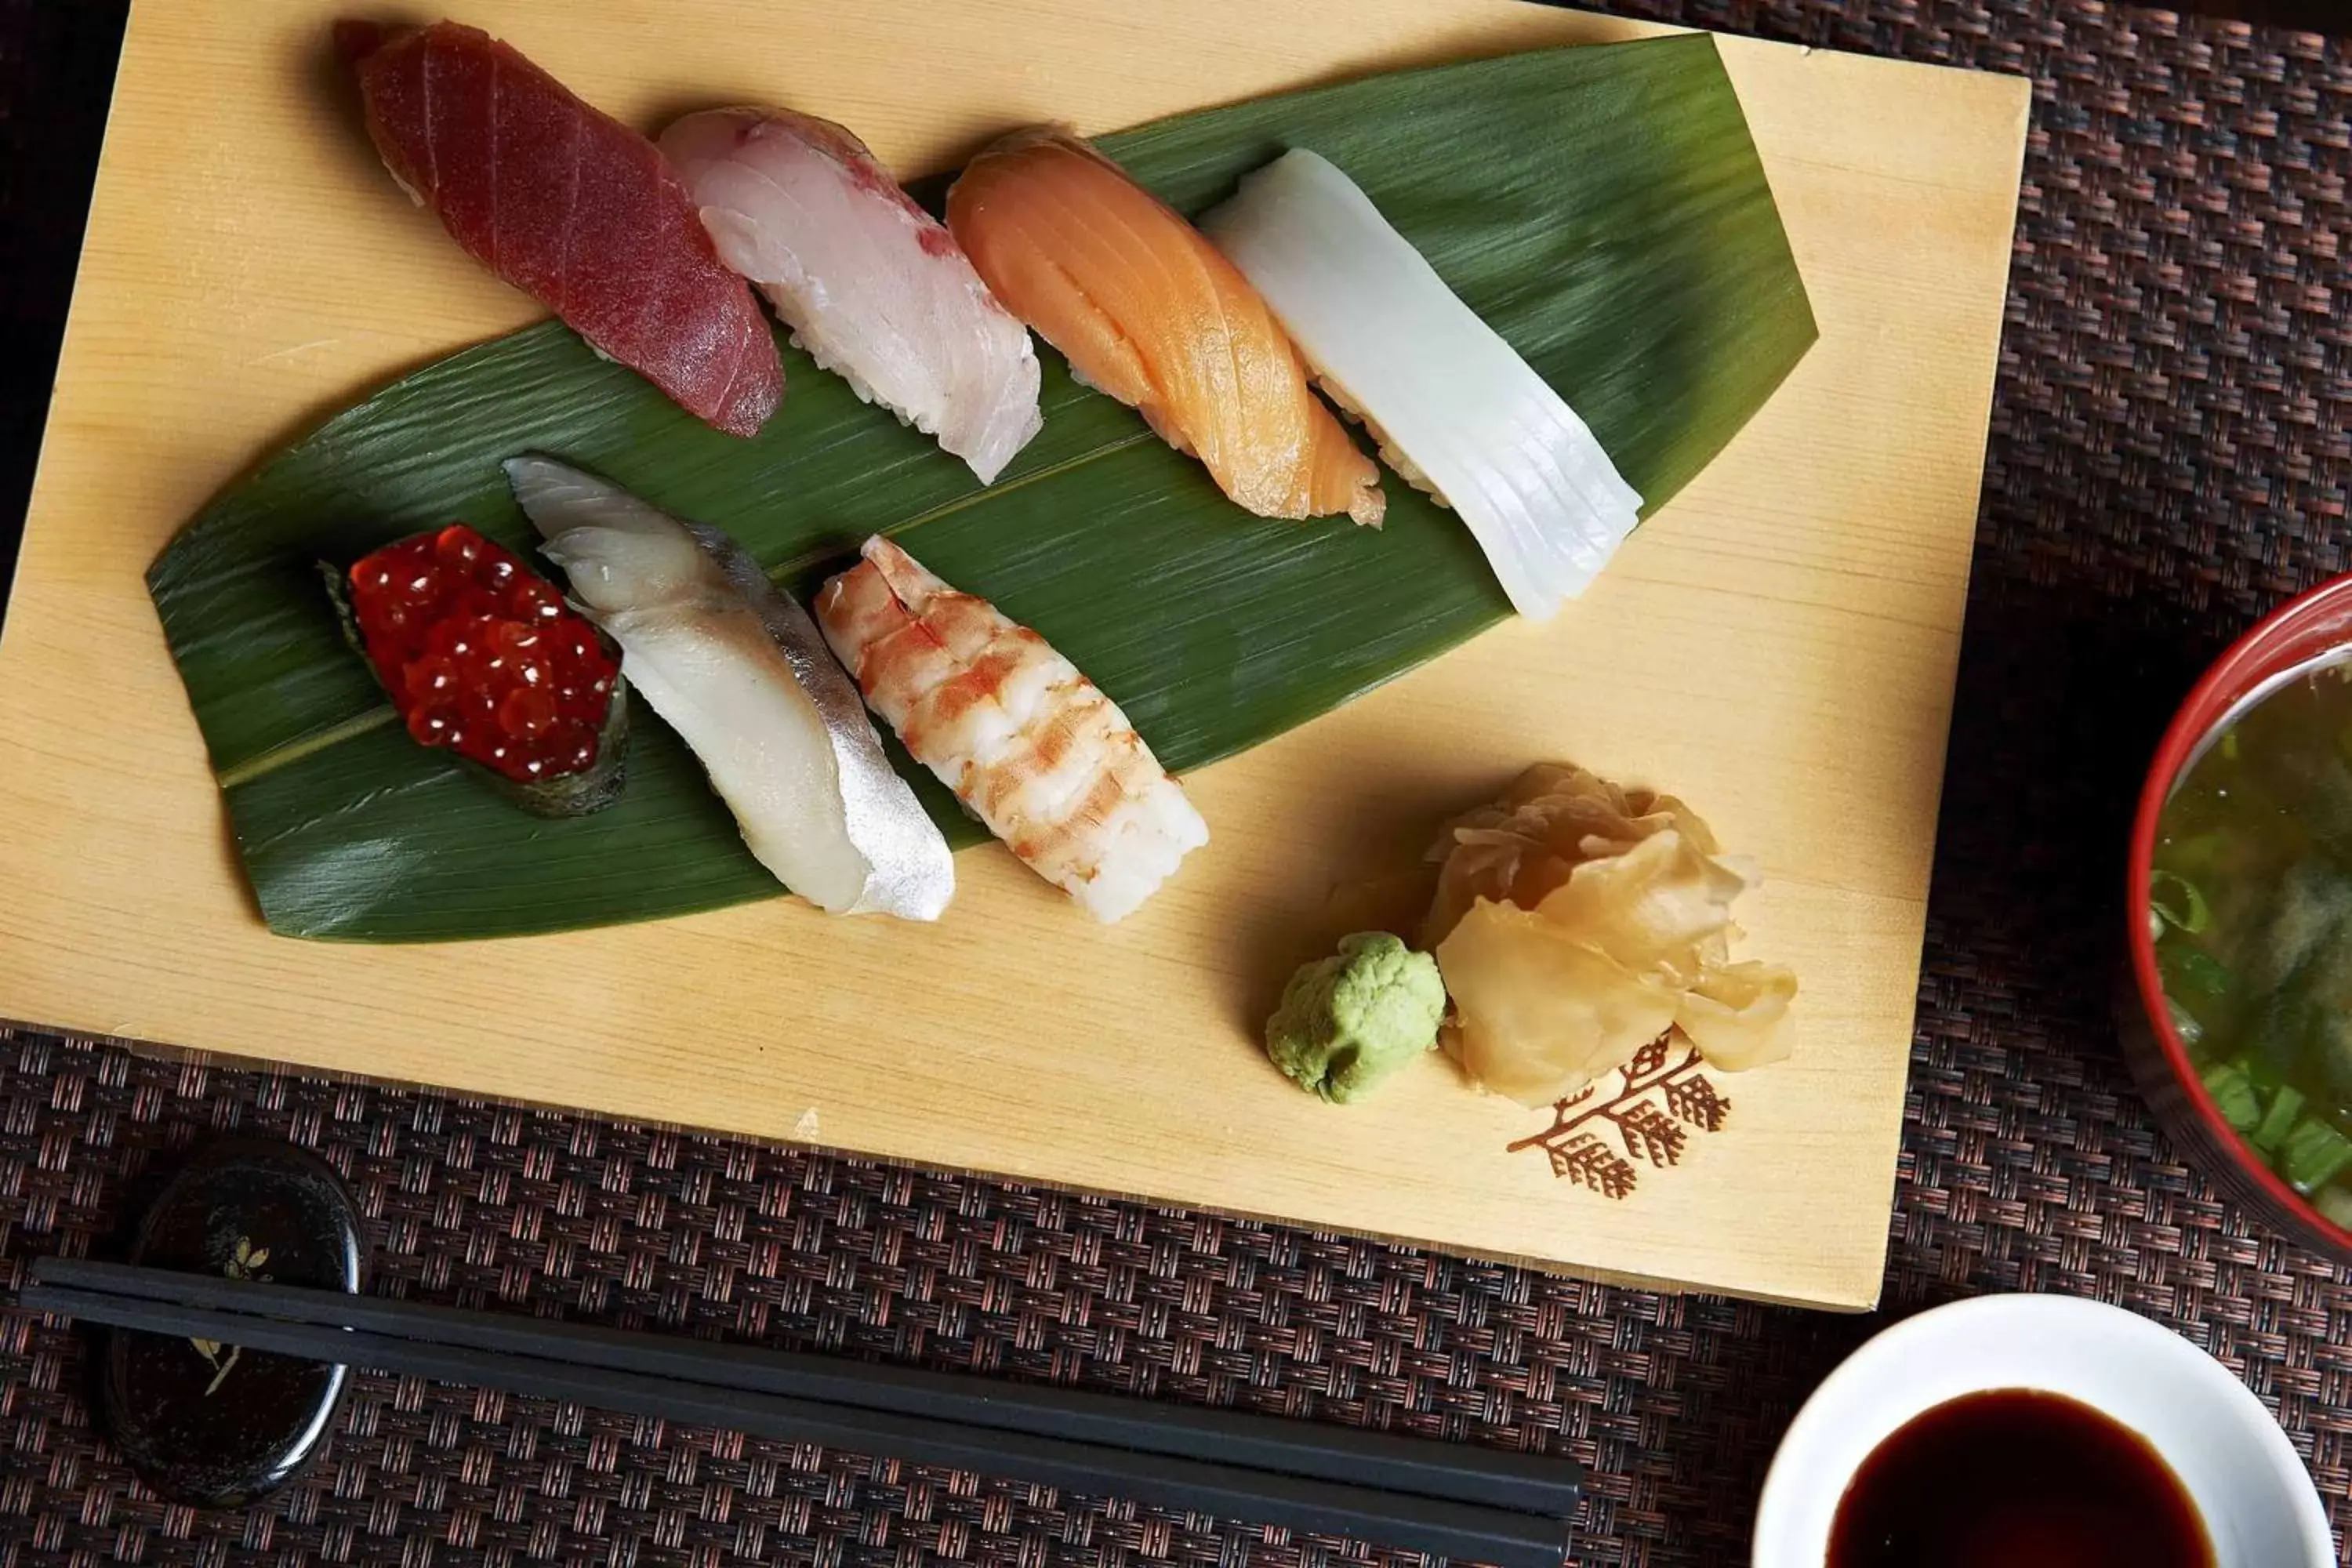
{"x": 1777, "y": 646}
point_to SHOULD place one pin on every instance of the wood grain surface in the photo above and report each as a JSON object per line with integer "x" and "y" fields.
{"x": 1777, "y": 645}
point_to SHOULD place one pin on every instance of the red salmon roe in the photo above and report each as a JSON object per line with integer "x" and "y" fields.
{"x": 481, "y": 656}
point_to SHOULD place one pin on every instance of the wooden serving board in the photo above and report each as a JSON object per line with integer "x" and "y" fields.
{"x": 1777, "y": 645}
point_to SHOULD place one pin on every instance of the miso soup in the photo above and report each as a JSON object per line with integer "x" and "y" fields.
{"x": 2251, "y": 906}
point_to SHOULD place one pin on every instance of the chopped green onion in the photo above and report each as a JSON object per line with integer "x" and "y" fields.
{"x": 2188, "y": 912}
{"x": 2229, "y": 744}
{"x": 2313, "y": 1154}
{"x": 2278, "y": 1120}
{"x": 2233, "y": 1095}
{"x": 2193, "y": 969}
{"x": 2263, "y": 1074}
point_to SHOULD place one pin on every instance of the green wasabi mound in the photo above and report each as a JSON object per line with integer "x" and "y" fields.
{"x": 1348, "y": 1021}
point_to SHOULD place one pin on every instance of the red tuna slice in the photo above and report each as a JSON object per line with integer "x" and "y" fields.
{"x": 573, "y": 207}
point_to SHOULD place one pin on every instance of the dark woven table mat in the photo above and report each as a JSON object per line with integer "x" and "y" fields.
{"x": 2167, "y": 459}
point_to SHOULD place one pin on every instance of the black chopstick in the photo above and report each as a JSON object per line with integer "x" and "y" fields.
{"x": 1419, "y": 1523}
{"x": 1518, "y": 1483}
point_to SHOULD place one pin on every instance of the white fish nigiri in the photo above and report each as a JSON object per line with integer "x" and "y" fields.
{"x": 872, "y": 286}
{"x": 738, "y": 670}
{"x": 1032, "y": 746}
{"x": 1455, "y": 410}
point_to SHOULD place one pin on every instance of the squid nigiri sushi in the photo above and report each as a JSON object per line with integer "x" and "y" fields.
{"x": 1455, "y": 410}
{"x": 1032, "y": 746}
{"x": 737, "y": 669}
{"x": 873, "y": 287}
{"x": 570, "y": 206}
{"x": 1148, "y": 310}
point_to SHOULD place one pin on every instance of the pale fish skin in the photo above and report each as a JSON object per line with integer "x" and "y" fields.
{"x": 1456, "y": 411}
{"x": 1031, "y": 745}
{"x": 741, "y": 672}
{"x": 873, "y": 288}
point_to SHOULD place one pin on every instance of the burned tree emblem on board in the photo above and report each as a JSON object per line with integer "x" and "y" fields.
{"x": 1643, "y": 1114}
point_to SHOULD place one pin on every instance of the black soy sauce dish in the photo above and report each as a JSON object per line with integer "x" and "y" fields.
{"x": 217, "y": 1426}
{"x": 2126, "y": 1413}
{"x": 2018, "y": 1478}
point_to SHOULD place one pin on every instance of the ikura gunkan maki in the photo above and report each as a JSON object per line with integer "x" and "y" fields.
{"x": 485, "y": 660}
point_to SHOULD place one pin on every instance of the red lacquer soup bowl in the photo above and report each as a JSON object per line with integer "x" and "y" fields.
{"x": 2300, "y": 632}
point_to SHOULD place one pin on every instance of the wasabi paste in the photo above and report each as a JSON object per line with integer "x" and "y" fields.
{"x": 1348, "y": 1021}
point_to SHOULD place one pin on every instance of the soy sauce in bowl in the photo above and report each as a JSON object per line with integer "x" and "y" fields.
{"x": 2016, "y": 1478}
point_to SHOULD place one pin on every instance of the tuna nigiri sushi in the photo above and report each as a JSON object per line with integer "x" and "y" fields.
{"x": 873, "y": 287}
{"x": 571, "y": 206}
{"x": 738, "y": 669}
{"x": 1032, "y": 746}
{"x": 1455, "y": 410}
{"x": 1149, "y": 311}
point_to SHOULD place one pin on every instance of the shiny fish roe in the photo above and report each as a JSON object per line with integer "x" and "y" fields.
{"x": 481, "y": 656}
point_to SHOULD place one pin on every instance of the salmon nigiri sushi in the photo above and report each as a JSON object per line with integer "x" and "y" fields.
{"x": 1150, "y": 312}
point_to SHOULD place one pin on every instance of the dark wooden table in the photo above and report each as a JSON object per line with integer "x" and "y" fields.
{"x": 2168, "y": 459}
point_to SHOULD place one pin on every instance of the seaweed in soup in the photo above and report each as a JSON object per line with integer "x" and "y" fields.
{"x": 2250, "y": 905}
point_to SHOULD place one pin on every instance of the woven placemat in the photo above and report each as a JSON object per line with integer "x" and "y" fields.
{"x": 2167, "y": 459}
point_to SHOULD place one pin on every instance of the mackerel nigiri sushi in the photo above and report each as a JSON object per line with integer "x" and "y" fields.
{"x": 1455, "y": 410}
{"x": 873, "y": 287}
{"x": 738, "y": 669}
{"x": 1149, "y": 311}
{"x": 571, "y": 206}
{"x": 1032, "y": 746}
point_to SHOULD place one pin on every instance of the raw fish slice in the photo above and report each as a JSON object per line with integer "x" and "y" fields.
{"x": 1149, "y": 311}
{"x": 738, "y": 669}
{"x": 1031, "y": 745}
{"x": 571, "y": 206}
{"x": 1455, "y": 410}
{"x": 873, "y": 287}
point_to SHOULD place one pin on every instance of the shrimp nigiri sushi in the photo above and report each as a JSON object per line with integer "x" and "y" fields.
{"x": 1149, "y": 311}
{"x": 737, "y": 669}
{"x": 1455, "y": 409}
{"x": 872, "y": 286}
{"x": 1032, "y": 746}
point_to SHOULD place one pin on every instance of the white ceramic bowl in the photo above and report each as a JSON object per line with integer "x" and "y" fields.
{"x": 2257, "y": 1500}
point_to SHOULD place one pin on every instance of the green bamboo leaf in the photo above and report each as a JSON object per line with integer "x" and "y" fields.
{"x": 1603, "y": 207}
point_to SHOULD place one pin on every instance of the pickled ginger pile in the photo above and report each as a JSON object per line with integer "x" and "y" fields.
{"x": 1577, "y": 920}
